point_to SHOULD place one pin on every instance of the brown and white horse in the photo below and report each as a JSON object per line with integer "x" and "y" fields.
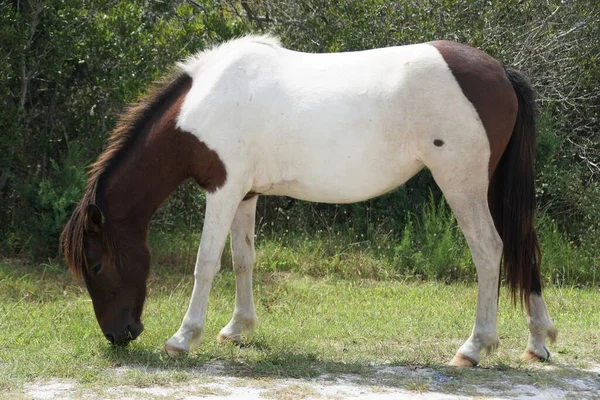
{"x": 251, "y": 118}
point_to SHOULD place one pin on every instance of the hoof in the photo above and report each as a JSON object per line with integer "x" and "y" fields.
{"x": 174, "y": 351}
{"x": 462, "y": 361}
{"x": 529, "y": 355}
{"x": 236, "y": 339}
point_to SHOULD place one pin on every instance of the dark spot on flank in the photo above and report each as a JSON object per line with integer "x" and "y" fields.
{"x": 247, "y": 240}
{"x": 438, "y": 142}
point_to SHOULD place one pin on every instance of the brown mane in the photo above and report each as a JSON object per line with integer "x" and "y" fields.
{"x": 121, "y": 140}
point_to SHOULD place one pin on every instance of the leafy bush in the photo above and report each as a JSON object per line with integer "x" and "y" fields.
{"x": 563, "y": 260}
{"x": 53, "y": 200}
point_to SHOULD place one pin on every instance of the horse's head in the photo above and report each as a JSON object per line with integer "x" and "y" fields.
{"x": 114, "y": 261}
{"x": 104, "y": 242}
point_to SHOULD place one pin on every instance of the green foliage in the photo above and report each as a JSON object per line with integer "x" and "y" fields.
{"x": 68, "y": 68}
{"x": 430, "y": 246}
{"x": 566, "y": 191}
{"x": 433, "y": 245}
{"x": 565, "y": 262}
{"x": 53, "y": 201}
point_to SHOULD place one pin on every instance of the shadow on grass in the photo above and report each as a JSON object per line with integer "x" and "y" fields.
{"x": 282, "y": 365}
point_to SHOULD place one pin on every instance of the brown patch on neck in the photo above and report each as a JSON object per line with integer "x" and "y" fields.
{"x": 483, "y": 81}
{"x": 161, "y": 157}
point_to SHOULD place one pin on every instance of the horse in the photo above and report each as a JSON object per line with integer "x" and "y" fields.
{"x": 250, "y": 117}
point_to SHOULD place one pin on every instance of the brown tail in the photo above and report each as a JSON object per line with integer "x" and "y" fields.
{"x": 512, "y": 198}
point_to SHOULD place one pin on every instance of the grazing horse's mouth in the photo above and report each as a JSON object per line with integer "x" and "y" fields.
{"x": 117, "y": 342}
{"x": 123, "y": 338}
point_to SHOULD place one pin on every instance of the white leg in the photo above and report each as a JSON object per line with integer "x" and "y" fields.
{"x": 465, "y": 186}
{"x": 242, "y": 249}
{"x": 220, "y": 210}
{"x": 486, "y": 248}
{"x": 540, "y": 329}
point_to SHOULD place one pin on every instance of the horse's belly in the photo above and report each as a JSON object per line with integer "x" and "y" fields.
{"x": 334, "y": 180}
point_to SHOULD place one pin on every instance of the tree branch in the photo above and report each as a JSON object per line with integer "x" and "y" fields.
{"x": 25, "y": 74}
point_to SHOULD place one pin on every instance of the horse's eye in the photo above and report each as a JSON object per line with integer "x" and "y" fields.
{"x": 96, "y": 269}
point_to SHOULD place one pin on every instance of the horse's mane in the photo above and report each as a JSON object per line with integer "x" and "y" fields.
{"x": 130, "y": 123}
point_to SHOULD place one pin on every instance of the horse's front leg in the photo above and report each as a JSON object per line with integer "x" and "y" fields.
{"x": 242, "y": 249}
{"x": 220, "y": 210}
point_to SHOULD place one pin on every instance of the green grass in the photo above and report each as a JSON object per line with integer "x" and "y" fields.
{"x": 430, "y": 248}
{"x": 308, "y": 327}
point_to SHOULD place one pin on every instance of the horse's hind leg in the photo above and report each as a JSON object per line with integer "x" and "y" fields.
{"x": 242, "y": 250}
{"x": 540, "y": 328}
{"x": 464, "y": 182}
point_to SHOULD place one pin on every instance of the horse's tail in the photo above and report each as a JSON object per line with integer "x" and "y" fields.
{"x": 514, "y": 208}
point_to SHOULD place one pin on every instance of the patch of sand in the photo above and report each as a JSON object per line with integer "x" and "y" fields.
{"x": 381, "y": 383}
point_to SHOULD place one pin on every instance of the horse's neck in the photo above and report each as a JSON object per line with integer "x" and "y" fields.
{"x": 156, "y": 163}
{"x": 154, "y": 167}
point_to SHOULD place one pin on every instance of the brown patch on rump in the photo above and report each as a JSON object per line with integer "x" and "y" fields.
{"x": 484, "y": 82}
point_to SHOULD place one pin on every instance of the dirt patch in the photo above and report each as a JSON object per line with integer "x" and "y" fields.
{"x": 378, "y": 382}
{"x": 52, "y": 389}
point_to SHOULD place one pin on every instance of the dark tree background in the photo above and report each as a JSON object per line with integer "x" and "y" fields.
{"x": 68, "y": 68}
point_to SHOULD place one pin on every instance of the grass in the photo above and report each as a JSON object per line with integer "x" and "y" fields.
{"x": 430, "y": 246}
{"x": 308, "y": 327}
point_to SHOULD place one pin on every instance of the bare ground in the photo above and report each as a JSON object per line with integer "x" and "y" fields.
{"x": 220, "y": 381}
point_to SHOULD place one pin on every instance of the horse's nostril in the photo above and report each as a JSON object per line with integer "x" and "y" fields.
{"x": 110, "y": 337}
{"x": 133, "y": 331}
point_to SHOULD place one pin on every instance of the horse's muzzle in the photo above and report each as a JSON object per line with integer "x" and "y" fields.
{"x": 125, "y": 336}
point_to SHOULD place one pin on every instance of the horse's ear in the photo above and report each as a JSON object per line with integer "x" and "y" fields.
{"x": 94, "y": 220}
